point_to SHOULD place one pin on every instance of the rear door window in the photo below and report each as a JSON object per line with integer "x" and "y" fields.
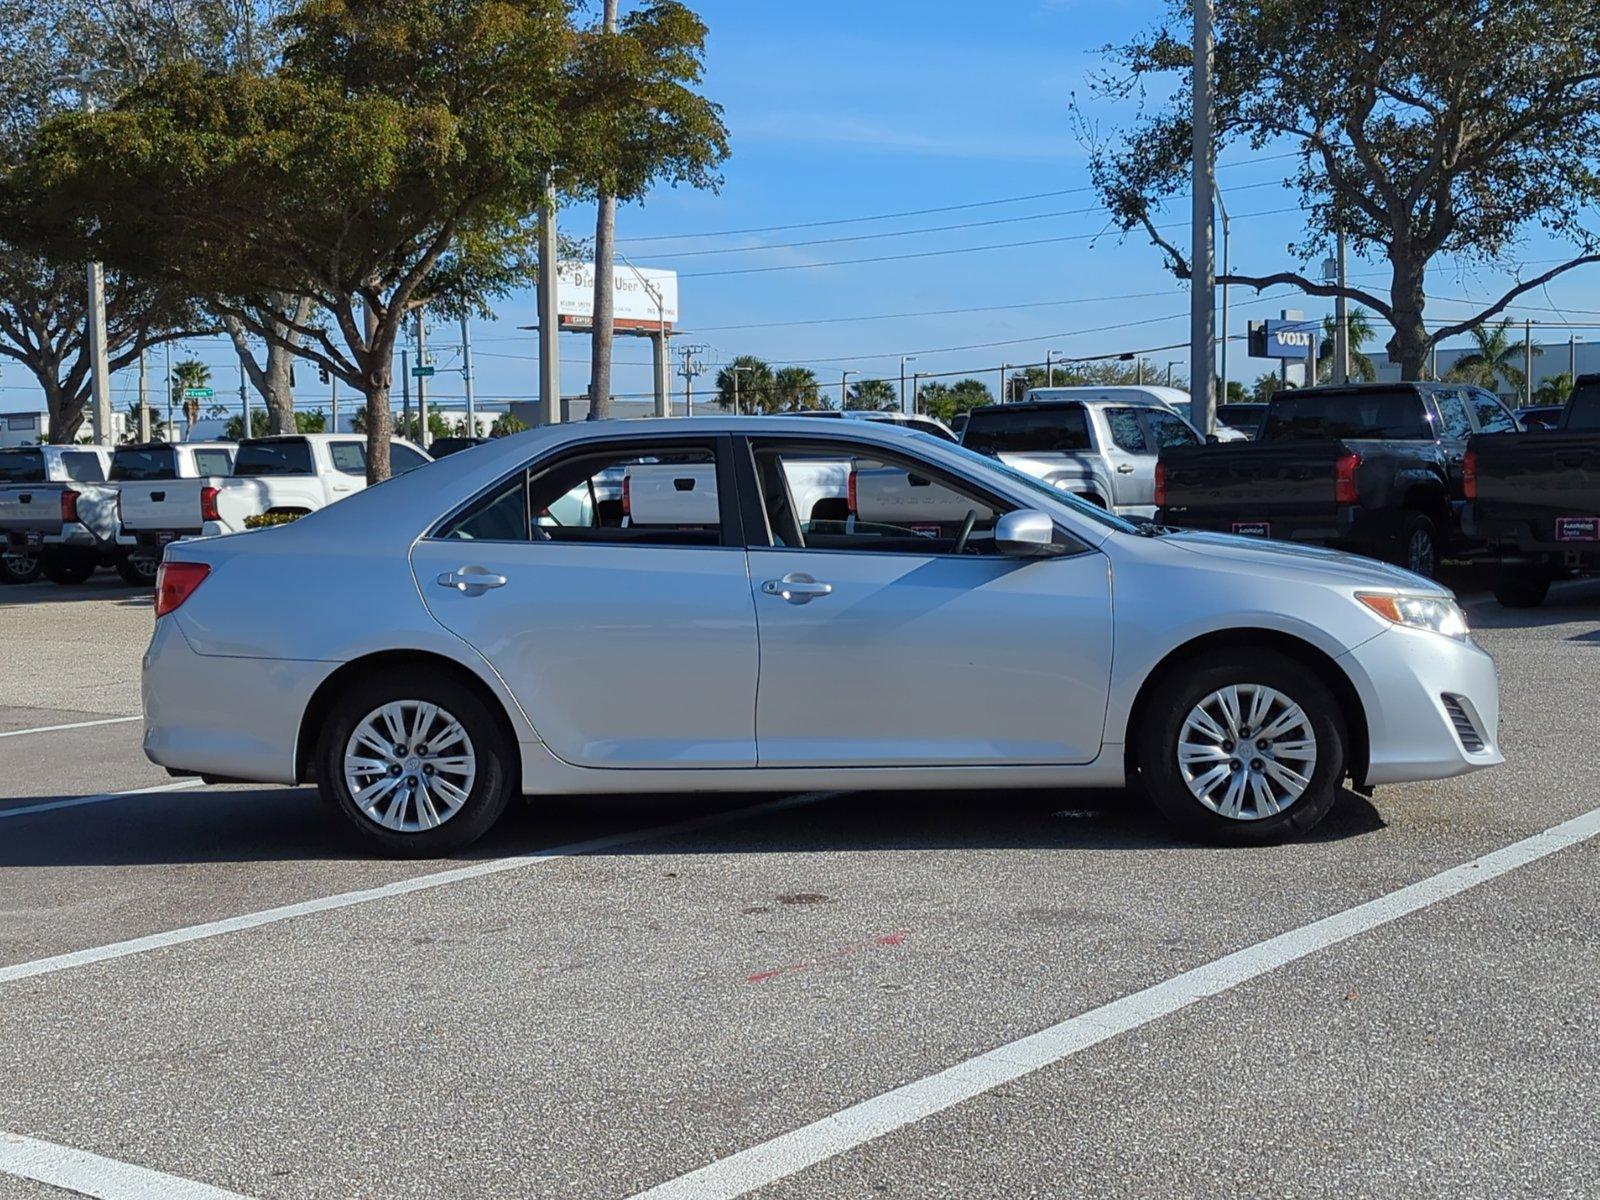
{"x": 212, "y": 462}
{"x": 1455, "y": 424}
{"x": 401, "y": 459}
{"x": 1001, "y": 429}
{"x": 291, "y": 456}
{"x": 1169, "y": 429}
{"x": 1492, "y": 415}
{"x": 83, "y": 468}
{"x": 350, "y": 458}
{"x": 22, "y": 466}
{"x": 1126, "y": 431}
{"x": 135, "y": 464}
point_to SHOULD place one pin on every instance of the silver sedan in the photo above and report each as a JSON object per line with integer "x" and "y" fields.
{"x": 769, "y": 603}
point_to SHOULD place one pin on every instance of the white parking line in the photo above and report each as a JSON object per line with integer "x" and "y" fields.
{"x": 271, "y": 916}
{"x": 793, "y": 1152}
{"x": 72, "y": 725}
{"x": 91, "y": 1175}
{"x": 78, "y": 801}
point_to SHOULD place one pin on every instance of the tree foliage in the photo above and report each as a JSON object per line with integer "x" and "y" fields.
{"x": 1358, "y": 330}
{"x": 397, "y": 158}
{"x": 1496, "y": 359}
{"x": 746, "y": 385}
{"x": 872, "y": 395}
{"x": 944, "y": 400}
{"x": 1421, "y": 128}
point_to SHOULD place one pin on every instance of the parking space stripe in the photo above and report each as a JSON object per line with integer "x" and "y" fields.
{"x": 420, "y": 883}
{"x": 91, "y": 1175}
{"x": 78, "y": 801}
{"x": 71, "y": 725}
{"x": 790, "y": 1153}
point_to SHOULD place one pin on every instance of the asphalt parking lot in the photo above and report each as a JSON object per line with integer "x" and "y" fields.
{"x": 205, "y": 991}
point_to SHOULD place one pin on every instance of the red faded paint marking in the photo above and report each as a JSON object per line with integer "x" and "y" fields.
{"x": 890, "y": 939}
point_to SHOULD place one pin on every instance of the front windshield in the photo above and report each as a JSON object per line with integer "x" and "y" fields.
{"x": 1078, "y": 505}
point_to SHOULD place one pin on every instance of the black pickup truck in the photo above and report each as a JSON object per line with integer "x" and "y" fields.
{"x": 1372, "y": 468}
{"x": 1534, "y": 499}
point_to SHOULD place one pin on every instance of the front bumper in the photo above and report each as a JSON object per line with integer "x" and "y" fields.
{"x": 1404, "y": 677}
{"x": 214, "y": 715}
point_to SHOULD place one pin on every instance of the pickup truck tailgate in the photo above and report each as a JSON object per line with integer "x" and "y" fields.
{"x": 1247, "y": 482}
{"x": 1540, "y": 488}
{"x": 30, "y": 506}
{"x": 162, "y": 504}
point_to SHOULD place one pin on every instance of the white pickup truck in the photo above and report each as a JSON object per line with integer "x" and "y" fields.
{"x": 58, "y": 516}
{"x": 165, "y": 492}
{"x": 297, "y": 474}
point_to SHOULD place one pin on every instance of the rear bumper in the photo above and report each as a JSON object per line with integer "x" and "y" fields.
{"x": 213, "y": 715}
{"x": 1348, "y": 527}
{"x": 1527, "y": 541}
{"x": 1404, "y": 677}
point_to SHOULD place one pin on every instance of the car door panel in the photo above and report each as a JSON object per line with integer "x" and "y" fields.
{"x": 932, "y": 660}
{"x": 622, "y": 656}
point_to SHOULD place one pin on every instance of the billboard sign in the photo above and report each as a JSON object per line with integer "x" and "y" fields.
{"x": 643, "y": 299}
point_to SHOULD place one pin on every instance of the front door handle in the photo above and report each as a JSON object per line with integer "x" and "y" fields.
{"x": 471, "y": 581}
{"x": 1124, "y": 468}
{"x": 797, "y": 588}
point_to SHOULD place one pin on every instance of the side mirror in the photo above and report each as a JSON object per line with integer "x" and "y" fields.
{"x": 1026, "y": 533}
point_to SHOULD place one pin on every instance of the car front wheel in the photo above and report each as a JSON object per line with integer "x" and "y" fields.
{"x": 1243, "y": 746}
{"x": 417, "y": 766}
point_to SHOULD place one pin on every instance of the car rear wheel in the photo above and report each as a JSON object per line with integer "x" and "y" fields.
{"x": 1417, "y": 546}
{"x": 1243, "y": 746}
{"x": 1521, "y": 589}
{"x": 18, "y": 566}
{"x": 138, "y": 570}
{"x": 67, "y": 570}
{"x": 417, "y": 766}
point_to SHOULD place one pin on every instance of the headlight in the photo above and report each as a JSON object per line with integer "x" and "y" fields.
{"x": 1434, "y": 613}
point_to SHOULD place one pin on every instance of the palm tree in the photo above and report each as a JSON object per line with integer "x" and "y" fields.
{"x": 1358, "y": 327}
{"x": 873, "y": 395}
{"x": 190, "y": 373}
{"x": 1554, "y": 390}
{"x": 1495, "y": 358}
{"x": 795, "y": 390}
{"x": 748, "y": 380}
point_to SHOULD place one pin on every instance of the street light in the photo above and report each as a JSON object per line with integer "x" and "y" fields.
{"x": 916, "y": 378}
{"x": 904, "y": 359}
{"x": 735, "y": 372}
{"x": 1050, "y": 367}
{"x": 1004, "y": 367}
{"x": 1174, "y": 362}
{"x": 844, "y": 387}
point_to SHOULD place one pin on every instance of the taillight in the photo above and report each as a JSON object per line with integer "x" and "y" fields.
{"x": 850, "y": 494}
{"x": 1469, "y": 475}
{"x": 176, "y": 582}
{"x": 1344, "y": 479}
{"x": 1161, "y": 484}
{"x": 627, "y": 496}
{"x": 69, "y": 506}
{"x": 208, "y": 503}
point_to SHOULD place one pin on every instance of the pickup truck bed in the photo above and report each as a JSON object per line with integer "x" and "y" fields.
{"x": 1534, "y": 499}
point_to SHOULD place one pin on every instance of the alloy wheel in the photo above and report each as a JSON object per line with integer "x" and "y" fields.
{"x": 1419, "y": 554}
{"x": 409, "y": 766}
{"x": 1247, "y": 751}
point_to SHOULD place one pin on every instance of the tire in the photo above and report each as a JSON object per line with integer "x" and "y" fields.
{"x": 67, "y": 571}
{"x": 138, "y": 571}
{"x": 1521, "y": 589}
{"x": 18, "y": 567}
{"x": 1416, "y": 546}
{"x": 486, "y": 787}
{"x": 1197, "y": 688}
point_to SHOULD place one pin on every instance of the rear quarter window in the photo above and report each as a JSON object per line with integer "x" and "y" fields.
{"x": 134, "y": 465}
{"x": 291, "y": 457}
{"x": 349, "y": 458}
{"x": 83, "y": 468}
{"x": 21, "y": 466}
{"x": 1379, "y": 414}
{"x": 212, "y": 462}
{"x": 1023, "y": 431}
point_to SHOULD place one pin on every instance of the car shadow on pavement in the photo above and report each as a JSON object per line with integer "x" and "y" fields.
{"x": 292, "y": 825}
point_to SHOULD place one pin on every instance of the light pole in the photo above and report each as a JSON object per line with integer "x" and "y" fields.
{"x": 1050, "y": 367}
{"x": 1002, "y": 398}
{"x": 738, "y": 409}
{"x": 916, "y": 377}
{"x": 658, "y": 344}
{"x": 1202, "y": 270}
{"x": 1527, "y": 363}
{"x": 466, "y": 376}
{"x": 1333, "y": 272}
{"x": 844, "y": 388}
{"x": 1222, "y": 383}
{"x": 1174, "y": 362}
{"x": 904, "y": 359}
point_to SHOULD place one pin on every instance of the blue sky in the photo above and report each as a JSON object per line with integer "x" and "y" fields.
{"x": 842, "y": 110}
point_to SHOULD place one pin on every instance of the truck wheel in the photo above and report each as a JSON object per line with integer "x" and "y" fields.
{"x": 1417, "y": 546}
{"x": 17, "y": 566}
{"x": 1521, "y": 589}
{"x": 1243, "y": 746}
{"x": 138, "y": 570}
{"x": 417, "y": 765}
{"x": 67, "y": 570}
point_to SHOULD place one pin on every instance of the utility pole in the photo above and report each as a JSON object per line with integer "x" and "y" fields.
{"x": 144, "y": 398}
{"x": 1572, "y": 357}
{"x": 605, "y": 234}
{"x": 168, "y": 352}
{"x": 904, "y": 359}
{"x": 844, "y": 388}
{"x": 1527, "y": 362}
{"x": 1174, "y": 362}
{"x": 99, "y": 365}
{"x": 466, "y": 375}
{"x": 244, "y": 403}
{"x": 422, "y": 380}
{"x": 1139, "y": 371}
{"x": 738, "y": 408}
{"x": 1049, "y": 368}
{"x": 405, "y": 390}
{"x": 1202, "y": 270}
{"x": 916, "y": 384}
{"x": 1001, "y": 399}
{"x": 549, "y": 322}
{"x": 333, "y": 399}
{"x": 689, "y": 368}
{"x": 1222, "y": 383}
{"x": 1341, "y": 320}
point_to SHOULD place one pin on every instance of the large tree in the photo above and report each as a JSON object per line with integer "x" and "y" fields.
{"x": 397, "y": 158}
{"x": 1420, "y": 129}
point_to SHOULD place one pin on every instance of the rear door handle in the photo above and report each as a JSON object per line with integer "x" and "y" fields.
{"x": 471, "y": 581}
{"x": 1124, "y": 468}
{"x": 797, "y": 588}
